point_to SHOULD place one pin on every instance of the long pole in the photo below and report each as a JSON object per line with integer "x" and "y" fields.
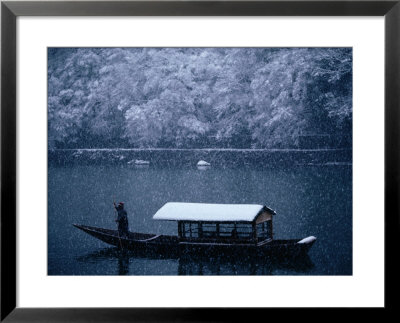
{"x": 116, "y": 216}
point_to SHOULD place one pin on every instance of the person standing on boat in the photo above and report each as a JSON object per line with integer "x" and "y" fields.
{"x": 122, "y": 220}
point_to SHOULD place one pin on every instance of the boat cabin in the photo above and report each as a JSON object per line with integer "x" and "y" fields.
{"x": 237, "y": 223}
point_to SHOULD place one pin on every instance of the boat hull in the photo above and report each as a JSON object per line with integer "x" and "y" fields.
{"x": 173, "y": 246}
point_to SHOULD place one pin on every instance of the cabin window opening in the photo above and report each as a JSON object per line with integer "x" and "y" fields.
{"x": 235, "y": 230}
{"x": 264, "y": 230}
{"x": 268, "y": 225}
{"x": 244, "y": 231}
{"x": 209, "y": 230}
{"x": 225, "y": 230}
{"x": 190, "y": 230}
{"x": 183, "y": 233}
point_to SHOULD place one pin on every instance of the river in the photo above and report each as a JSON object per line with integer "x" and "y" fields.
{"x": 310, "y": 199}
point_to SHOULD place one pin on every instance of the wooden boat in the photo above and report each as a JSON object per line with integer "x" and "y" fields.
{"x": 230, "y": 229}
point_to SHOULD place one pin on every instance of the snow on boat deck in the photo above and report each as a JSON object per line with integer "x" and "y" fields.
{"x": 176, "y": 211}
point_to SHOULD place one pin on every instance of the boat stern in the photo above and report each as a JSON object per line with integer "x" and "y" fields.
{"x": 108, "y": 236}
{"x": 84, "y": 228}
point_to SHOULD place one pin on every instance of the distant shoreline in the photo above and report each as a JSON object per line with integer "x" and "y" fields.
{"x": 214, "y": 156}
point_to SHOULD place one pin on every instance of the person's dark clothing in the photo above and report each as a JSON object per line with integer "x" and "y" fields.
{"x": 122, "y": 220}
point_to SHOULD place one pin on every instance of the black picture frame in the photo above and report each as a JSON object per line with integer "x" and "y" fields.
{"x": 10, "y": 10}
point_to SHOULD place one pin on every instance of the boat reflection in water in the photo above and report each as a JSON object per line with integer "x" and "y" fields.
{"x": 241, "y": 266}
{"x": 199, "y": 265}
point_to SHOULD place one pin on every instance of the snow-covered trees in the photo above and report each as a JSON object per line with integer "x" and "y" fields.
{"x": 304, "y": 90}
{"x": 175, "y": 97}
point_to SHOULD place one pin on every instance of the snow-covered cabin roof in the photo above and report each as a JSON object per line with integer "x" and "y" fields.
{"x": 178, "y": 211}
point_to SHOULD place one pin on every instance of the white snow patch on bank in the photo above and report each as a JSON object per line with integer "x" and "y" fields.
{"x": 139, "y": 162}
{"x": 203, "y": 163}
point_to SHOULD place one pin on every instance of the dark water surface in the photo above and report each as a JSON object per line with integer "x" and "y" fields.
{"x": 309, "y": 200}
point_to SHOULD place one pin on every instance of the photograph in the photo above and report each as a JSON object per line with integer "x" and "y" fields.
{"x": 173, "y": 161}
{"x": 166, "y": 161}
